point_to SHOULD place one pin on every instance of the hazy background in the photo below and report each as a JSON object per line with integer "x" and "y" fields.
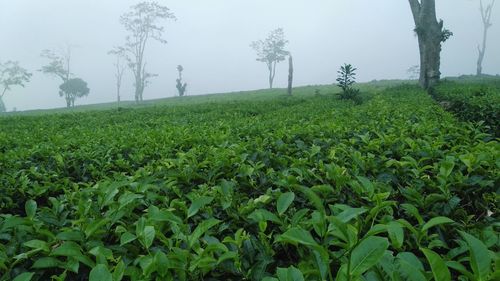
{"x": 211, "y": 40}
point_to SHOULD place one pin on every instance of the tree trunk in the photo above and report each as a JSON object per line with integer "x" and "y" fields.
{"x": 290, "y": 75}
{"x": 2, "y": 106}
{"x": 118, "y": 87}
{"x": 270, "y": 76}
{"x": 430, "y": 36}
{"x": 68, "y": 101}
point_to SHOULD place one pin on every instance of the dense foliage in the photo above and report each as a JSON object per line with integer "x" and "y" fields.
{"x": 345, "y": 80}
{"x": 288, "y": 188}
{"x": 479, "y": 101}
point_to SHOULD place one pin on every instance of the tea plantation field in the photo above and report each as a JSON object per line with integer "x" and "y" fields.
{"x": 255, "y": 186}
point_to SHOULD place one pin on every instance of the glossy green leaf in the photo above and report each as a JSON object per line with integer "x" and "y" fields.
{"x": 26, "y": 276}
{"x": 480, "y": 259}
{"x": 260, "y": 215}
{"x": 126, "y": 238}
{"x": 119, "y": 271}
{"x": 396, "y": 234}
{"x": 100, "y": 273}
{"x": 436, "y": 221}
{"x": 30, "y": 207}
{"x": 38, "y": 245}
{"x": 439, "y": 269}
{"x": 289, "y": 274}
{"x": 148, "y": 236}
{"x": 284, "y": 202}
{"x": 367, "y": 254}
{"x": 201, "y": 229}
{"x": 46, "y": 262}
{"x": 297, "y": 235}
{"x": 95, "y": 226}
{"x": 198, "y": 204}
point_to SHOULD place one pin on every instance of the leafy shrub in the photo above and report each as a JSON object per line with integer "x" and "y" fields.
{"x": 346, "y": 79}
{"x": 476, "y": 102}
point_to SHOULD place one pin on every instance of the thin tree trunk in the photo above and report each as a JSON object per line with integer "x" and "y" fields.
{"x": 290, "y": 75}
{"x": 486, "y": 17}
{"x": 2, "y": 105}
{"x": 270, "y": 66}
{"x": 3, "y": 92}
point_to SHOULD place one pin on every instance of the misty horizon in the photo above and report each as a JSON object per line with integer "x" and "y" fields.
{"x": 212, "y": 42}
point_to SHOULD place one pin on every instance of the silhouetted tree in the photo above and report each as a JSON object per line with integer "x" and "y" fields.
{"x": 431, "y": 34}
{"x": 181, "y": 88}
{"x": 72, "y": 89}
{"x": 142, "y": 25}
{"x": 11, "y": 75}
{"x": 486, "y": 17}
{"x": 271, "y": 51}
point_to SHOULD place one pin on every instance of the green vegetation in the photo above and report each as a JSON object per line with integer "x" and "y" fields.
{"x": 255, "y": 186}
{"x": 345, "y": 80}
{"x": 478, "y": 101}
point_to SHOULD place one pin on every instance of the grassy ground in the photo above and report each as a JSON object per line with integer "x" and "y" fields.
{"x": 214, "y": 98}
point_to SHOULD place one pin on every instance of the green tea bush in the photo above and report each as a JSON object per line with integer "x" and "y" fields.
{"x": 303, "y": 188}
{"x": 477, "y": 102}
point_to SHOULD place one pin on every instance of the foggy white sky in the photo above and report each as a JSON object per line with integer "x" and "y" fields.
{"x": 211, "y": 40}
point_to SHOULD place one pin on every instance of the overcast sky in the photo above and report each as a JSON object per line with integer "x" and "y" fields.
{"x": 211, "y": 40}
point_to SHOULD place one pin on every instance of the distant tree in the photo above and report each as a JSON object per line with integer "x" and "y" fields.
{"x": 142, "y": 25}
{"x": 11, "y": 75}
{"x": 486, "y": 17}
{"x": 290, "y": 75}
{"x": 72, "y": 89}
{"x": 59, "y": 63}
{"x": 271, "y": 51}
{"x": 431, "y": 34}
{"x": 181, "y": 87}
{"x": 345, "y": 80}
{"x": 413, "y": 72}
{"x": 119, "y": 71}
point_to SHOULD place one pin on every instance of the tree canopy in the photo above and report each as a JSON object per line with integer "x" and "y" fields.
{"x": 11, "y": 75}
{"x": 72, "y": 89}
{"x": 271, "y": 51}
{"x": 59, "y": 63}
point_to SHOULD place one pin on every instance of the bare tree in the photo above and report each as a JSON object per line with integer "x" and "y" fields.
{"x": 11, "y": 74}
{"x": 431, "y": 34}
{"x": 271, "y": 51}
{"x": 486, "y": 17}
{"x": 119, "y": 71}
{"x": 142, "y": 24}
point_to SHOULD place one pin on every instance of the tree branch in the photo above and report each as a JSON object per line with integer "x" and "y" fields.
{"x": 415, "y": 9}
{"x": 4, "y": 91}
